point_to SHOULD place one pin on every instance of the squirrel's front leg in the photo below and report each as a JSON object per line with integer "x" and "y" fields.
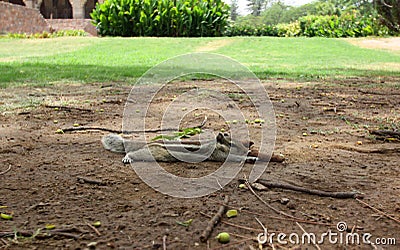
{"x": 143, "y": 154}
{"x": 127, "y": 159}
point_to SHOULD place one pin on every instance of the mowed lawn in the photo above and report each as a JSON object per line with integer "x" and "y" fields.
{"x": 91, "y": 59}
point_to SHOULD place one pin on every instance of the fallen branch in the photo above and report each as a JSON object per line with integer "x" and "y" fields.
{"x": 13, "y": 233}
{"x": 338, "y": 195}
{"x": 84, "y": 128}
{"x": 385, "y": 133}
{"x": 377, "y": 210}
{"x": 43, "y": 234}
{"x": 377, "y": 93}
{"x": 68, "y": 108}
{"x": 73, "y": 129}
{"x": 214, "y": 221}
{"x": 369, "y": 151}
{"x": 90, "y": 181}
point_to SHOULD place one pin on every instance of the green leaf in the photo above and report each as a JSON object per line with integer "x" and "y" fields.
{"x": 185, "y": 223}
{"x": 6, "y": 216}
{"x": 231, "y": 213}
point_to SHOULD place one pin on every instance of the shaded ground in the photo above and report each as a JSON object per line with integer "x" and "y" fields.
{"x": 322, "y": 131}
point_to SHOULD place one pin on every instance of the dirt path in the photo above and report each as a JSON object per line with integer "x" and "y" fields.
{"x": 322, "y": 131}
{"x": 214, "y": 45}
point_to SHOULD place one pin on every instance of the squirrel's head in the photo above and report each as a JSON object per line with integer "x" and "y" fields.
{"x": 235, "y": 147}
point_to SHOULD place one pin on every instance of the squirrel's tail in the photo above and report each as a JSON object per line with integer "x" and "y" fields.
{"x": 114, "y": 143}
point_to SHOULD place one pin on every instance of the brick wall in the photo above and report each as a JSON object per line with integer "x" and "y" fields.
{"x": 73, "y": 24}
{"x": 20, "y": 19}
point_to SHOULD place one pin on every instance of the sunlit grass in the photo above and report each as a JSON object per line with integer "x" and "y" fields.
{"x": 89, "y": 59}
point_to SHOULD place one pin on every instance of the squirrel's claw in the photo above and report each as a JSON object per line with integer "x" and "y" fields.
{"x": 127, "y": 160}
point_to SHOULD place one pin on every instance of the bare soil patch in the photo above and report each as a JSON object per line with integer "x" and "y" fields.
{"x": 322, "y": 131}
{"x": 392, "y": 43}
{"x": 214, "y": 45}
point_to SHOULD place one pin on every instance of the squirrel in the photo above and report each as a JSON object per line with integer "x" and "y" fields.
{"x": 223, "y": 148}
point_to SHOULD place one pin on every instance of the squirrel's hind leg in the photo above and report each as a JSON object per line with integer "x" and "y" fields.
{"x": 144, "y": 154}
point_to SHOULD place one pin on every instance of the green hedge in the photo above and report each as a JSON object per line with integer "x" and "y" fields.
{"x": 250, "y": 30}
{"x": 174, "y": 18}
{"x": 45, "y": 34}
{"x": 347, "y": 25}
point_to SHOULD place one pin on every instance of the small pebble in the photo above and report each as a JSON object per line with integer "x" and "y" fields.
{"x": 284, "y": 201}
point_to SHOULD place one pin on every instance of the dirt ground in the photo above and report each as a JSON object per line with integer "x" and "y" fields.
{"x": 322, "y": 130}
{"x": 391, "y": 44}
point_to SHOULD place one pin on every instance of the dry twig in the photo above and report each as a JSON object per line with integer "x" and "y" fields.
{"x": 68, "y": 108}
{"x": 338, "y": 195}
{"x": 40, "y": 204}
{"x": 93, "y": 228}
{"x": 90, "y": 181}
{"x": 377, "y": 210}
{"x": 369, "y": 151}
{"x": 5, "y": 171}
{"x": 42, "y": 235}
{"x": 385, "y": 133}
{"x": 265, "y": 203}
{"x": 84, "y": 128}
{"x": 5, "y": 243}
{"x": 377, "y": 93}
{"x": 72, "y": 129}
{"x": 251, "y": 229}
{"x": 230, "y": 245}
{"x": 304, "y": 231}
{"x": 214, "y": 221}
{"x": 281, "y": 218}
{"x": 164, "y": 242}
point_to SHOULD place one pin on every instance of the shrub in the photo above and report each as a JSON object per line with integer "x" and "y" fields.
{"x": 251, "y": 30}
{"x": 289, "y": 29}
{"x": 45, "y": 34}
{"x": 174, "y": 18}
{"x": 347, "y": 25}
{"x": 350, "y": 24}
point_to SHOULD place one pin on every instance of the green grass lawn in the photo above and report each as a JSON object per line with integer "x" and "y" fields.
{"x": 89, "y": 59}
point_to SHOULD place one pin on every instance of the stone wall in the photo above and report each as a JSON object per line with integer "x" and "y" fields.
{"x": 20, "y": 19}
{"x": 73, "y": 24}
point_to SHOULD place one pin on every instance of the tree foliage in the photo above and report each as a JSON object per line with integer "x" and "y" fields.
{"x": 275, "y": 14}
{"x": 390, "y": 13}
{"x": 234, "y": 10}
{"x": 256, "y": 6}
{"x": 326, "y": 18}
